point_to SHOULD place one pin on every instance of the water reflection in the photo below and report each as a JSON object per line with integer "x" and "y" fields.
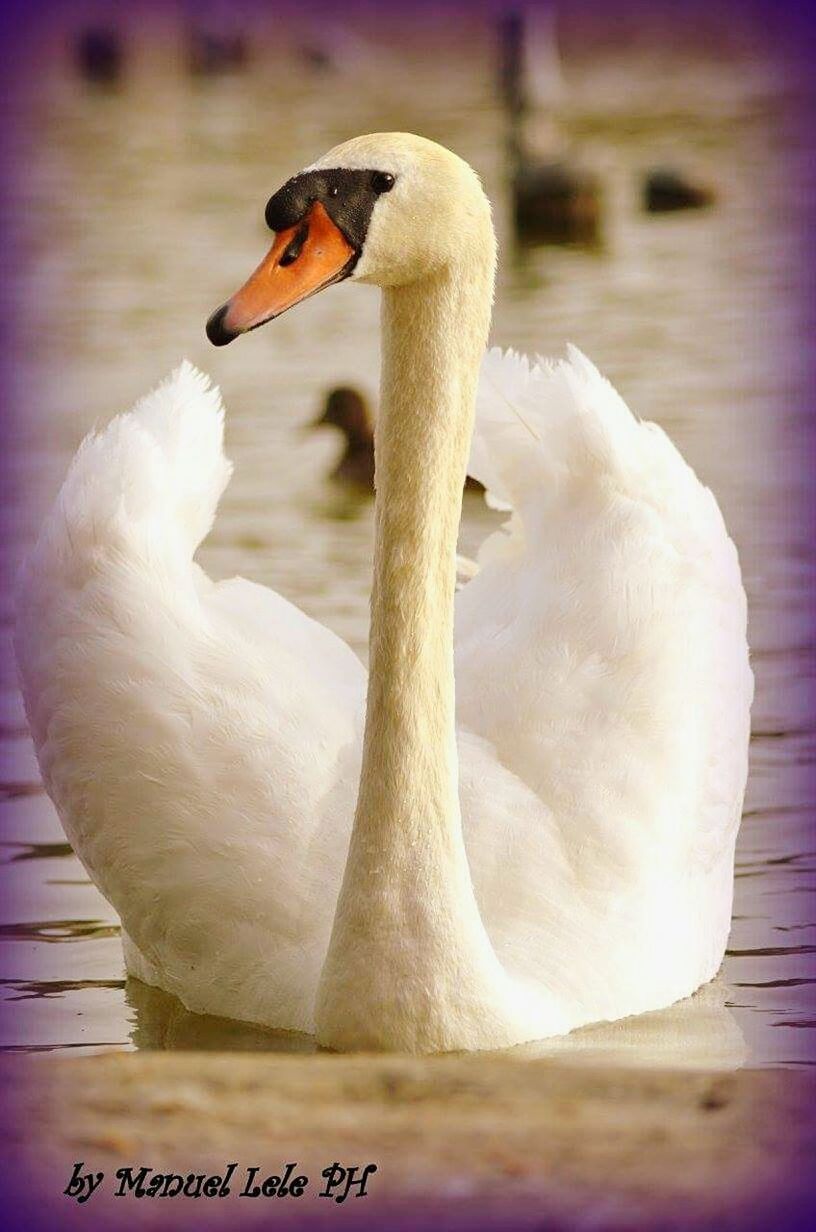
{"x": 35, "y": 851}
{"x": 160, "y": 1021}
{"x": 23, "y": 990}
{"x": 699, "y": 1033}
{"x": 58, "y": 930}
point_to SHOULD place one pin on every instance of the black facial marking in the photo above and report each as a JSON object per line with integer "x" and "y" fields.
{"x": 348, "y": 197}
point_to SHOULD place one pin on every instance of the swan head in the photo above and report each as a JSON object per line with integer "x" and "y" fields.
{"x": 389, "y": 209}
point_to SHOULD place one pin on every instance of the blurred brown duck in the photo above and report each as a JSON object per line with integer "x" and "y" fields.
{"x": 99, "y": 56}
{"x": 666, "y": 189}
{"x": 347, "y": 410}
{"x": 555, "y": 199}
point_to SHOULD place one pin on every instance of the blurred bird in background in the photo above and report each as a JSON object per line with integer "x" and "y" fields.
{"x": 347, "y": 410}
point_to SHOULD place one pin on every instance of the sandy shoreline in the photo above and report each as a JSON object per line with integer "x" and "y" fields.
{"x": 459, "y": 1142}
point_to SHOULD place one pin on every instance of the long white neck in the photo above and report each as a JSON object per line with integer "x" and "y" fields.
{"x": 409, "y": 965}
{"x": 433, "y": 339}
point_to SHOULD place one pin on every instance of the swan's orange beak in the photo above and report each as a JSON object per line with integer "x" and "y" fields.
{"x": 302, "y": 261}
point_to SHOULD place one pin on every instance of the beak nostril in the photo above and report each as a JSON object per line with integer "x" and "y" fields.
{"x": 295, "y": 246}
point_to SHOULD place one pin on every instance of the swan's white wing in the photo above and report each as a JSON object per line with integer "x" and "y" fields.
{"x": 601, "y": 654}
{"x": 199, "y": 740}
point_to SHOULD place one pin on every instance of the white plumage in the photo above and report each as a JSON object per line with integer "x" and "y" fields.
{"x": 551, "y": 844}
{"x": 201, "y": 740}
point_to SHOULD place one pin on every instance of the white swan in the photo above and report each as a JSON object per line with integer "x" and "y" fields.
{"x": 564, "y": 854}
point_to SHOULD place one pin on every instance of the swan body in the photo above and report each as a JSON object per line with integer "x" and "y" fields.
{"x": 293, "y": 842}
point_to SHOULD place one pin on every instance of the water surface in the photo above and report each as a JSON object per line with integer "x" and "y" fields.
{"x": 143, "y": 208}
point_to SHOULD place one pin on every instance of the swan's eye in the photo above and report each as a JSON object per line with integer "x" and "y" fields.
{"x": 293, "y": 249}
{"x": 382, "y": 181}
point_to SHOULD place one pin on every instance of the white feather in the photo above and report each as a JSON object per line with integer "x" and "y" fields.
{"x": 201, "y": 741}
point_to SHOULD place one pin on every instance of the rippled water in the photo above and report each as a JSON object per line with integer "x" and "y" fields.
{"x": 143, "y": 208}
